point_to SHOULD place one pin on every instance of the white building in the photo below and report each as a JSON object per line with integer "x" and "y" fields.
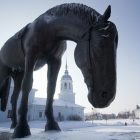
{"x": 64, "y": 107}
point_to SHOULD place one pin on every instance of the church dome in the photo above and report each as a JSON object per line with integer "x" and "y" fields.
{"x": 66, "y": 77}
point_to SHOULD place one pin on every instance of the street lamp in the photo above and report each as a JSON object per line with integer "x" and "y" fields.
{"x": 92, "y": 114}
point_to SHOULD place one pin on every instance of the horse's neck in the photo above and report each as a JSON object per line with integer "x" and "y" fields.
{"x": 69, "y": 28}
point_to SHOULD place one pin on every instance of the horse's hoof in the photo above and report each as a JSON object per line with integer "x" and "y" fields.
{"x": 52, "y": 126}
{"x": 13, "y": 125}
{"x": 21, "y": 131}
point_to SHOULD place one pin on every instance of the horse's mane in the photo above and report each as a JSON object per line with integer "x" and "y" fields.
{"x": 83, "y": 12}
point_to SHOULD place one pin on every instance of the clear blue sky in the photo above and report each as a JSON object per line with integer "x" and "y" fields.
{"x": 125, "y": 14}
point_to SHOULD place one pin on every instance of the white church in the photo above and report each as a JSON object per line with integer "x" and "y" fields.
{"x": 64, "y": 107}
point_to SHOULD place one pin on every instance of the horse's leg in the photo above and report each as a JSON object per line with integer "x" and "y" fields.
{"x": 4, "y": 72}
{"x": 4, "y": 85}
{"x": 17, "y": 77}
{"x": 53, "y": 69}
{"x": 22, "y": 129}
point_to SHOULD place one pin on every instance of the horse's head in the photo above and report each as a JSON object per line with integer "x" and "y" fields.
{"x": 95, "y": 55}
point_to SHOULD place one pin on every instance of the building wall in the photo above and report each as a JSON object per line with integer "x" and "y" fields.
{"x": 4, "y": 115}
{"x": 37, "y": 112}
{"x": 66, "y": 96}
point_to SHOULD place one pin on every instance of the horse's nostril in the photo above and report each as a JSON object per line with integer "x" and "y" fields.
{"x": 104, "y": 94}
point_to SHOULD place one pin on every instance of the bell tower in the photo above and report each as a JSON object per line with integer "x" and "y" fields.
{"x": 66, "y": 87}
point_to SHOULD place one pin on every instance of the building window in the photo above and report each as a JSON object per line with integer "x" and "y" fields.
{"x": 59, "y": 114}
{"x": 40, "y": 114}
{"x": 9, "y": 115}
{"x": 65, "y": 85}
{"x": 69, "y": 86}
{"x": 60, "y": 117}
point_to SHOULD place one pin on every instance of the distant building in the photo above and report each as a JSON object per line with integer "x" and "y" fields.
{"x": 64, "y": 107}
{"x": 99, "y": 116}
{"x": 124, "y": 115}
{"x": 93, "y": 116}
{"x": 137, "y": 112}
{"x": 108, "y": 116}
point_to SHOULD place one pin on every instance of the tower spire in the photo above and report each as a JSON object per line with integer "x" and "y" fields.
{"x": 66, "y": 68}
{"x": 66, "y": 65}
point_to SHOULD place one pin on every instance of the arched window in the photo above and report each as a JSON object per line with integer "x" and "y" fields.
{"x": 65, "y": 85}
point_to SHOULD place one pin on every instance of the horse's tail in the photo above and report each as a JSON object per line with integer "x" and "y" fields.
{"x": 4, "y": 93}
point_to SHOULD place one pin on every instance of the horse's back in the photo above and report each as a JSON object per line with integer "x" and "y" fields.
{"x": 11, "y": 54}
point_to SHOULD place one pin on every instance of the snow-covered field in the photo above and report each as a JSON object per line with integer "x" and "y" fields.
{"x": 96, "y": 130}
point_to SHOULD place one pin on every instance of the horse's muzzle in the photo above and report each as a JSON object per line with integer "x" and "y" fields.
{"x": 100, "y": 99}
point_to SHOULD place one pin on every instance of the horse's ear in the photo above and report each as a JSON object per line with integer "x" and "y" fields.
{"x": 107, "y": 13}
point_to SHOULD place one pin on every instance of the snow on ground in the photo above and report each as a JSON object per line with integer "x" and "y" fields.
{"x": 96, "y": 130}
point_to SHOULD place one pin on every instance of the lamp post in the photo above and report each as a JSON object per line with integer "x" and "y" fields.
{"x": 92, "y": 115}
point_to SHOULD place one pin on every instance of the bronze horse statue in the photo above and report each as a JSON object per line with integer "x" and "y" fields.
{"x": 43, "y": 42}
